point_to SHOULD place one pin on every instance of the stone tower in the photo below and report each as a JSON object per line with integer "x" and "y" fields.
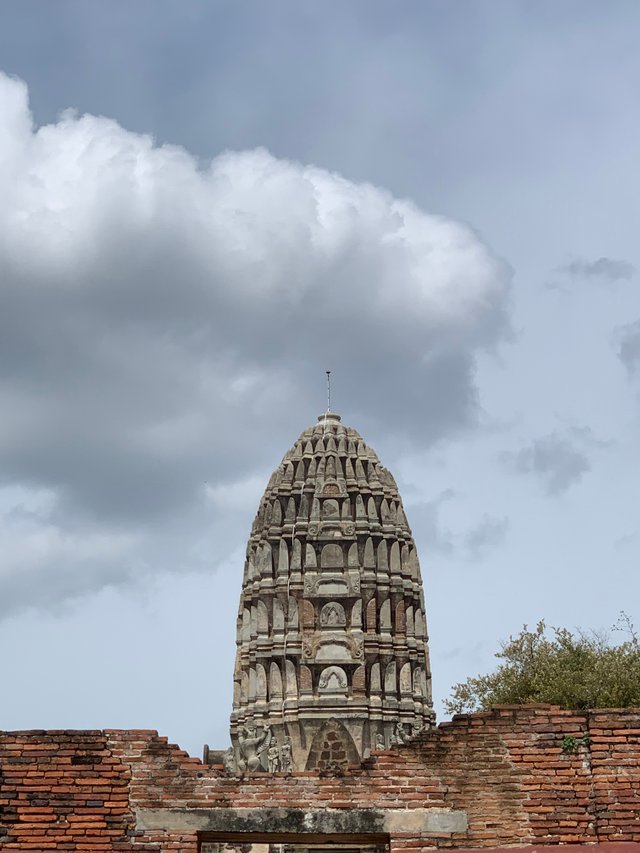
{"x": 332, "y": 658}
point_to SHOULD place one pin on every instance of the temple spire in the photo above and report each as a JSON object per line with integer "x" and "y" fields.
{"x": 332, "y": 659}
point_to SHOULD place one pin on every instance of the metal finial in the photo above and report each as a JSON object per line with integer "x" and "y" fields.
{"x": 328, "y": 372}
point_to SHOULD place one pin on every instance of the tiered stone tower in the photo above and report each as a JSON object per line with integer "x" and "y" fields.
{"x": 332, "y": 659}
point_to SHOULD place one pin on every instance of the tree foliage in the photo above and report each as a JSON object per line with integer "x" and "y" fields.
{"x": 573, "y": 670}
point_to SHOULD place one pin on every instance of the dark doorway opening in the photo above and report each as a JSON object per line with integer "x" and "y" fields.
{"x": 251, "y": 842}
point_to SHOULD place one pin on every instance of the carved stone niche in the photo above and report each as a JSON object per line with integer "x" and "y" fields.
{"x": 331, "y": 488}
{"x": 333, "y": 616}
{"x": 330, "y": 510}
{"x": 333, "y": 680}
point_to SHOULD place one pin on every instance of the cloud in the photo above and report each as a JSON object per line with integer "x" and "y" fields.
{"x": 554, "y": 459}
{"x": 437, "y": 538}
{"x": 485, "y": 537}
{"x": 600, "y": 270}
{"x": 165, "y": 325}
{"x": 473, "y": 544}
{"x": 629, "y": 346}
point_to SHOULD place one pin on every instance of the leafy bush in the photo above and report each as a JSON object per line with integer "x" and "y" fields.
{"x": 574, "y": 670}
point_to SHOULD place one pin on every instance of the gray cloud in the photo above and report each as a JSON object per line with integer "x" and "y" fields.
{"x": 602, "y": 269}
{"x": 427, "y": 521}
{"x": 481, "y": 540}
{"x": 165, "y": 325}
{"x": 474, "y": 544}
{"x": 554, "y": 459}
{"x": 629, "y": 346}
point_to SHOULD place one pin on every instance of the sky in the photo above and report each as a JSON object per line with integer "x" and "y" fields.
{"x": 203, "y": 207}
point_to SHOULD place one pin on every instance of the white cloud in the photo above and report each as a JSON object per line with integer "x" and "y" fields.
{"x": 165, "y": 325}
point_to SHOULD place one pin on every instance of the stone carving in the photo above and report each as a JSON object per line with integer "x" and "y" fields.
{"x": 379, "y": 744}
{"x": 401, "y": 735}
{"x": 333, "y": 679}
{"x": 286, "y": 756}
{"x": 273, "y": 756}
{"x": 332, "y": 615}
{"x": 252, "y": 743}
{"x": 330, "y": 508}
{"x": 229, "y": 762}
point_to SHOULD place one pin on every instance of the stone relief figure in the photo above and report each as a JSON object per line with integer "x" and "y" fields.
{"x": 273, "y": 756}
{"x": 379, "y": 742}
{"x": 229, "y": 762}
{"x": 332, "y": 615}
{"x": 401, "y": 734}
{"x": 252, "y": 744}
{"x": 286, "y": 761}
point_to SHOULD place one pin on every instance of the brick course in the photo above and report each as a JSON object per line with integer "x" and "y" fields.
{"x": 524, "y": 776}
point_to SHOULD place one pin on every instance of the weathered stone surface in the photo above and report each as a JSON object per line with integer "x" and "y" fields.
{"x": 330, "y": 542}
{"x": 303, "y": 821}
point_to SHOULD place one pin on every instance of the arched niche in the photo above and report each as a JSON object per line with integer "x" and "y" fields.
{"x": 333, "y": 680}
{"x": 372, "y": 512}
{"x": 332, "y": 615}
{"x": 306, "y": 682}
{"x": 395, "y": 566}
{"x": 385, "y": 617}
{"x": 278, "y": 616}
{"x": 332, "y": 748}
{"x": 261, "y": 683}
{"x": 372, "y": 616}
{"x": 275, "y": 681}
{"x": 266, "y": 560}
{"x": 292, "y": 618}
{"x": 409, "y": 621}
{"x": 290, "y": 514}
{"x": 291, "y": 680}
{"x": 405, "y": 679}
{"x": 419, "y": 624}
{"x": 358, "y": 684}
{"x": 356, "y": 614}
{"x": 374, "y": 678}
{"x": 246, "y": 625}
{"x": 332, "y": 556}
{"x": 283, "y": 558}
{"x": 263, "y": 618}
{"x": 308, "y": 614}
{"x": 369, "y": 561}
{"x": 417, "y": 682}
{"x": 330, "y": 510}
{"x": 310, "y": 559}
{"x": 390, "y": 680}
{"x": 296, "y": 556}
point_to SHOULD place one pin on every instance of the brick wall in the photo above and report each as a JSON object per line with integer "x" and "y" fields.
{"x": 523, "y": 776}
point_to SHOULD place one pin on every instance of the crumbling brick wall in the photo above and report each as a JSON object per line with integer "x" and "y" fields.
{"x": 522, "y": 776}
